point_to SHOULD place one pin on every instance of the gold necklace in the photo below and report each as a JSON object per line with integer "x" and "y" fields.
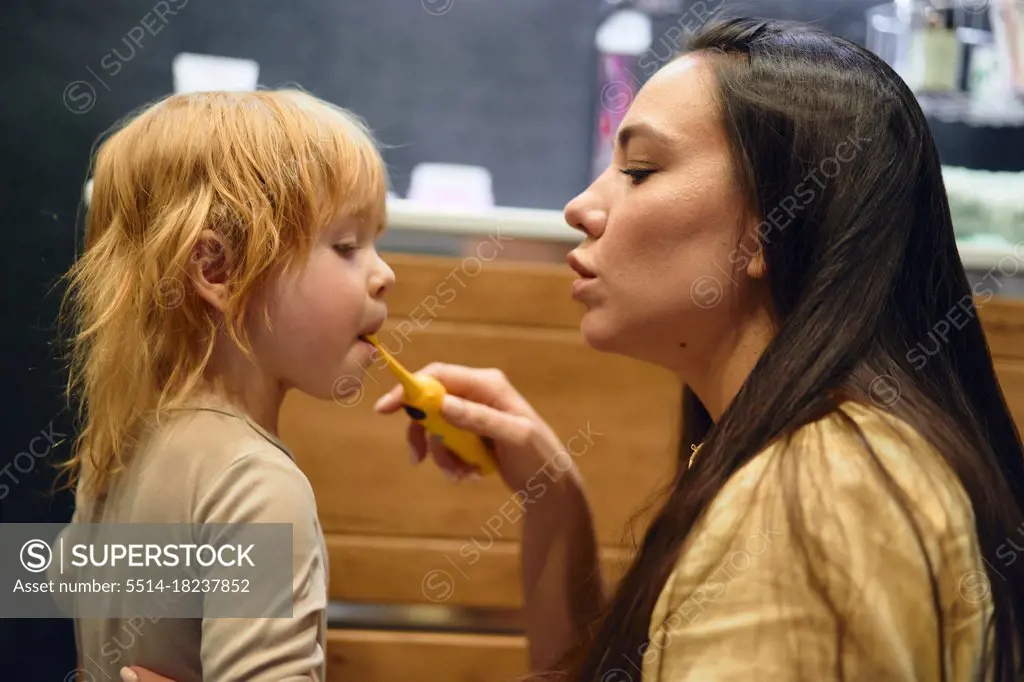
{"x": 693, "y": 455}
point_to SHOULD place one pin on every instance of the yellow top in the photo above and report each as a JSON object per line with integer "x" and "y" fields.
{"x": 739, "y": 605}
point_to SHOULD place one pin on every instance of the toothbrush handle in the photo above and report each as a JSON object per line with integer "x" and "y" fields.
{"x": 467, "y": 446}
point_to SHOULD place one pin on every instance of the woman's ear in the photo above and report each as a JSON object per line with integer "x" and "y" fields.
{"x": 756, "y": 266}
{"x": 210, "y": 267}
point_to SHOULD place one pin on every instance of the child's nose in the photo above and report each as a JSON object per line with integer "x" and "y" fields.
{"x": 383, "y": 279}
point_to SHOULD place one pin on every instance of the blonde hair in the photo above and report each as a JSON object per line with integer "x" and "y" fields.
{"x": 265, "y": 171}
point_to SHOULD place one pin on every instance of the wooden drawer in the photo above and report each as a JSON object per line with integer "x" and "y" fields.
{"x": 1011, "y": 380}
{"x": 394, "y": 656}
{"x": 1003, "y": 322}
{"x": 398, "y": 570}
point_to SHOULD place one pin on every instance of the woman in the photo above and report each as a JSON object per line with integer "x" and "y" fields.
{"x": 774, "y": 228}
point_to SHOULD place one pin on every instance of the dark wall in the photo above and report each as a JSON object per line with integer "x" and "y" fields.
{"x": 506, "y": 85}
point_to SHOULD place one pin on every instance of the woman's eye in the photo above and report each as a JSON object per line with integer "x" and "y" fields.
{"x": 637, "y": 175}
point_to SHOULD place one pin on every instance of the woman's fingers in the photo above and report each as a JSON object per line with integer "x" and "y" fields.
{"x": 441, "y": 458}
{"x": 483, "y": 420}
{"x": 488, "y": 386}
{"x": 389, "y": 402}
{"x": 416, "y": 436}
{"x": 453, "y": 467}
{"x": 137, "y": 674}
{"x": 479, "y": 400}
{"x": 421, "y": 443}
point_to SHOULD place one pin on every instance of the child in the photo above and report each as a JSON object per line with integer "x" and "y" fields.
{"x": 229, "y": 256}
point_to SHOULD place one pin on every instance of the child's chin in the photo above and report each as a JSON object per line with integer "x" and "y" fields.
{"x": 348, "y": 389}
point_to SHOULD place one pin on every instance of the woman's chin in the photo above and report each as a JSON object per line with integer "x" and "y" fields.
{"x": 605, "y": 335}
{"x": 599, "y": 333}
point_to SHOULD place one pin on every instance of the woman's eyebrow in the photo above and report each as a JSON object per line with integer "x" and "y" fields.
{"x": 626, "y": 133}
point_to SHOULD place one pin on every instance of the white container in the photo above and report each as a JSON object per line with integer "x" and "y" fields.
{"x": 448, "y": 185}
{"x": 205, "y": 72}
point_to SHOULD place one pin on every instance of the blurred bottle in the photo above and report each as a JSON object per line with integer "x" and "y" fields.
{"x": 621, "y": 40}
{"x": 1008, "y": 27}
{"x": 633, "y": 40}
{"x": 934, "y": 51}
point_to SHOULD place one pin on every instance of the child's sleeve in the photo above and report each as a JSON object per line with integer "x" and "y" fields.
{"x": 267, "y": 487}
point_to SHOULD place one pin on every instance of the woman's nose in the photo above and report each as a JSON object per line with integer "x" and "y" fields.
{"x": 584, "y": 214}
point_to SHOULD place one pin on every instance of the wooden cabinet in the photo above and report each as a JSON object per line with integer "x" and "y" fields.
{"x": 399, "y": 534}
{"x": 1003, "y": 321}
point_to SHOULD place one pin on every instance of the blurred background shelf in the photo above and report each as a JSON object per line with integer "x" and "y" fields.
{"x": 989, "y": 221}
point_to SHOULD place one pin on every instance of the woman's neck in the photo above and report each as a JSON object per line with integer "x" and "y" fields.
{"x": 717, "y": 377}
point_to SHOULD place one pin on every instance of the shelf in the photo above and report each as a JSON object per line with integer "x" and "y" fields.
{"x": 519, "y": 223}
{"x": 550, "y": 226}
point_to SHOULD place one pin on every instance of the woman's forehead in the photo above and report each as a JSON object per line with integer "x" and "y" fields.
{"x": 678, "y": 102}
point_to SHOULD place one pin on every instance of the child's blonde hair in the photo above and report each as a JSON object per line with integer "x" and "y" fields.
{"x": 265, "y": 170}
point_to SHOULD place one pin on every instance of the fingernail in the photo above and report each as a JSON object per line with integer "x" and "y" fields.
{"x": 474, "y": 476}
{"x": 381, "y": 401}
{"x": 451, "y": 476}
{"x": 414, "y": 456}
{"x": 129, "y": 675}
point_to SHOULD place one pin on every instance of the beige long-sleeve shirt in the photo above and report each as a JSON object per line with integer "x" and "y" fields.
{"x": 740, "y": 606}
{"x": 213, "y": 465}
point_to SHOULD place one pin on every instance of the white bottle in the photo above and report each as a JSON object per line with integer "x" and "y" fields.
{"x": 934, "y": 50}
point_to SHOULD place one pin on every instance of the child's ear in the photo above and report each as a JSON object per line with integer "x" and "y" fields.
{"x": 210, "y": 266}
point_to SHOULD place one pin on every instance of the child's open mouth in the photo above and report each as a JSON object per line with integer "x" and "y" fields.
{"x": 366, "y": 338}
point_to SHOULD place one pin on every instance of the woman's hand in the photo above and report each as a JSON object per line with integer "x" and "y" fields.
{"x": 137, "y": 674}
{"x": 484, "y": 402}
{"x": 561, "y": 574}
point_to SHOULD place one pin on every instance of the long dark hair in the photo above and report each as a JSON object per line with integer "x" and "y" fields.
{"x": 861, "y": 273}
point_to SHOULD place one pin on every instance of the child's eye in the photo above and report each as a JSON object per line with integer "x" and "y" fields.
{"x": 637, "y": 175}
{"x": 345, "y": 249}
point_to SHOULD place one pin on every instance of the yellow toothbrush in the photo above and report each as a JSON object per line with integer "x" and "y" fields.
{"x": 422, "y": 402}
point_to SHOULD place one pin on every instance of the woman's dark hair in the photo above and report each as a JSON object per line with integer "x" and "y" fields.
{"x": 862, "y": 272}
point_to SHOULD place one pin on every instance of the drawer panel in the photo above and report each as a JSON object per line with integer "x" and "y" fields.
{"x": 400, "y": 570}
{"x": 1011, "y": 380}
{"x": 395, "y": 656}
{"x": 429, "y": 289}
